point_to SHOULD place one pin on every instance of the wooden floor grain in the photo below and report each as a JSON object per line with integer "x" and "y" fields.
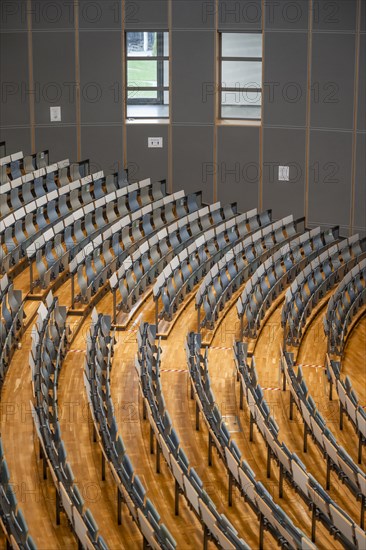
{"x": 354, "y": 362}
{"x": 135, "y": 431}
{"x": 223, "y": 379}
{"x": 85, "y": 456}
{"x": 312, "y": 351}
{"x": 36, "y": 497}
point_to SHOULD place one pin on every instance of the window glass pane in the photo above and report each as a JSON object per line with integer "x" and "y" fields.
{"x": 147, "y": 111}
{"x": 166, "y": 73}
{"x": 141, "y": 95}
{"x": 166, "y": 44}
{"x": 241, "y": 98}
{"x": 241, "y": 74}
{"x": 141, "y": 73}
{"x": 147, "y": 73}
{"x": 241, "y": 111}
{"x": 141, "y": 44}
{"x": 241, "y": 45}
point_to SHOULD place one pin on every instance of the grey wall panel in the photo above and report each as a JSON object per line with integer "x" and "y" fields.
{"x": 338, "y": 15}
{"x": 61, "y": 141}
{"x": 13, "y": 15}
{"x": 332, "y": 80}
{"x": 14, "y": 97}
{"x": 286, "y": 15}
{"x": 54, "y": 75}
{"x": 237, "y": 166}
{"x": 146, "y": 14}
{"x": 101, "y": 94}
{"x": 142, "y": 161}
{"x": 100, "y": 15}
{"x": 361, "y": 125}
{"x": 17, "y": 140}
{"x": 58, "y": 14}
{"x": 285, "y": 78}
{"x": 103, "y": 145}
{"x": 360, "y": 188}
{"x": 193, "y": 153}
{"x": 363, "y": 15}
{"x": 193, "y": 59}
{"x": 193, "y": 14}
{"x": 284, "y": 147}
{"x": 240, "y": 14}
{"x": 193, "y": 88}
{"x": 330, "y": 177}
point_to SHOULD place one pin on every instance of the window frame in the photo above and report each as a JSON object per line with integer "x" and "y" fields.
{"x": 238, "y": 89}
{"x": 160, "y": 89}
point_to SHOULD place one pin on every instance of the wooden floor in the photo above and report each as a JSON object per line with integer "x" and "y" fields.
{"x": 316, "y": 381}
{"x": 36, "y": 497}
{"x": 85, "y": 456}
{"x": 354, "y": 363}
{"x": 267, "y": 354}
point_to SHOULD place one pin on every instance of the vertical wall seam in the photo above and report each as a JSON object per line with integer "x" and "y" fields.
{"x": 355, "y": 117}
{"x": 31, "y": 78}
{"x": 217, "y": 95}
{"x": 124, "y": 84}
{"x": 77, "y": 79}
{"x": 261, "y": 152}
{"x": 308, "y": 112}
{"x": 170, "y": 125}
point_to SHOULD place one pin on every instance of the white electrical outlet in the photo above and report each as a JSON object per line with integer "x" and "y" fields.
{"x": 55, "y": 114}
{"x": 284, "y": 173}
{"x": 155, "y": 142}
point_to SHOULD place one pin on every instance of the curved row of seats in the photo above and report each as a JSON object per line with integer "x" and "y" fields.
{"x": 31, "y": 203}
{"x": 16, "y": 165}
{"x": 323, "y": 507}
{"x": 32, "y": 186}
{"x": 336, "y": 456}
{"x": 12, "y": 520}
{"x": 348, "y": 402}
{"x": 348, "y": 298}
{"x": 50, "y": 337}
{"x": 94, "y": 258}
{"x": 185, "y": 271}
{"x": 73, "y": 241}
{"x": 11, "y": 328}
{"x": 271, "y": 515}
{"x": 70, "y": 199}
{"x": 131, "y": 490}
{"x": 144, "y": 266}
{"x": 188, "y": 483}
{"x": 128, "y": 234}
{"x": 237, "y": 265}
{"x": 314, "y": 282}
{"x": 11, "y": 323}
{"x": 20, "y": 231}
{"x": 277, "y": 272}
{"x": 110, "y": 239}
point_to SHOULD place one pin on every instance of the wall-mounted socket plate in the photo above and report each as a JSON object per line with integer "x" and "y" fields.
{"x": 55, "y": 114}
{"x": 284, "y": 173}
{"x": 155, "y": 142}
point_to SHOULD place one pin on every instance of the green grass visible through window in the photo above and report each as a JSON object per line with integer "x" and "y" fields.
{"x": 140, "y": 74}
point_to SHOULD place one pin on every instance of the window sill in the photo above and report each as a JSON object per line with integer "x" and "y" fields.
{"x": 238, "y": 122}
{"x": 147, "y": 121}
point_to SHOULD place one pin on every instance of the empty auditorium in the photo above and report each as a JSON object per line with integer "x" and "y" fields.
{"x": 183, "y": 274}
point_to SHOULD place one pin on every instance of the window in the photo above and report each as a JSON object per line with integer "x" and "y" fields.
{"x": 147, "y": 68}
{"x": 241, "y": 75}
